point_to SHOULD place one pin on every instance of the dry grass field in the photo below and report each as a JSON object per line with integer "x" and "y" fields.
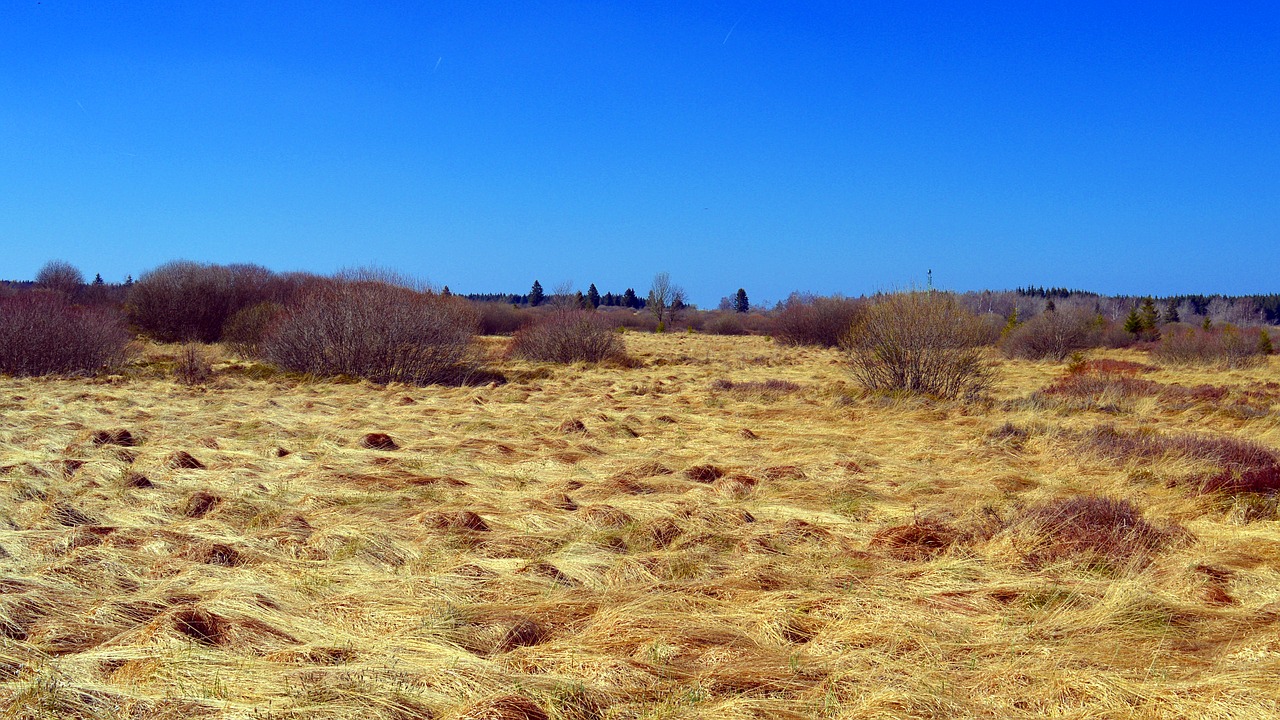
{"x": 729, "y": 529}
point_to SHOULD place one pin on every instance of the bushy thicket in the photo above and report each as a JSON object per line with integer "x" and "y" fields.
{"x": 820, "y": 321}
{"x": 43, "y": 333}
{"x": 567, "y": 336}
{"x": 1226, "y": 345}
{"x": 373, "y": 330}
{"x": 502, "y": 318}
{"x": 923, "y": 342}
{"x": 1054, "y": 335}
{"x": 184, "y": 301}
{"x": 245, "y": 330}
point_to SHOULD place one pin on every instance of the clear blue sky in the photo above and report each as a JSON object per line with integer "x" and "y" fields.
{"x": 844, "y": 147}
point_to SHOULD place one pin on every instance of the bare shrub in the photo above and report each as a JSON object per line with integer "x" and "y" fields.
{"x": 501, "y": 318}
{"x": 567, "y": 336}
{"x": 245, "y": 330}
{"x": 1228, "y": 346}
{"x": 1095, "y": 530}
{"x": 1053, "y": 335}
{"x": 820, "y": 321}
{"x": 42, "y": 333}
{"x": 725, "y": 323}
{"x": 630, "y": 319}
{"x": 183, "y": 301}
{"x": 60, "y": 276}
{"x": 375, "y": 331}
{"x": 922, "y": 342}
{"x": 192, "y": 367}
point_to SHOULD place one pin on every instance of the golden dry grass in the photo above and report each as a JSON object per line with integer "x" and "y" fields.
{"x": 507, "y": 562}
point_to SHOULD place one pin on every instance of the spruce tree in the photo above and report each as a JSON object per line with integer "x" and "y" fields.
{"x": 630, "y": 300}
{"x": 1133, "y": 323}
{"x": 593, "y": 297}
{"x": 1149, "y": 315}
{"x": 740, "y": 302}
{"x": 1171, "y": 313}
{"x": 535, "y": 294}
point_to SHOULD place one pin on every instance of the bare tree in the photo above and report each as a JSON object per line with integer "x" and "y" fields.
{"x": 665, "y": 298}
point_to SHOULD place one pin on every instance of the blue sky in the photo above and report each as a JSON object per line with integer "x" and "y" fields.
{"x": 845, "y": 147}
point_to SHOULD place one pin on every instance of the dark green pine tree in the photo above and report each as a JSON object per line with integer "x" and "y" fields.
{"x": 1133, "y": 323}
{"x": 740, "y": 302}
{"x": 593, "y": 297}
{"x": 630, "y": 300}
{"x": 97, "y": 279}
{"x": 535, "y": 294}
{"x": 1149, "y": 315}
{"x": 1171, "y": 313}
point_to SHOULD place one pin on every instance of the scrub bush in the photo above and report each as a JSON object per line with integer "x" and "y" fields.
{"x": 43, "y": 333}
{"x": 568, "y": 336}
{"x": 921, "y": 342}
{"x": 373, "y": 330}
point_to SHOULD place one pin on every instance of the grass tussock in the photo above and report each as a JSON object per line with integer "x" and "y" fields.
{"x": 1097, "y": 531}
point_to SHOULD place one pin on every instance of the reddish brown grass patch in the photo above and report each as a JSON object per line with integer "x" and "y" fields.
{"x": 919, "y": 540}
{"x": 1095, "y": 529}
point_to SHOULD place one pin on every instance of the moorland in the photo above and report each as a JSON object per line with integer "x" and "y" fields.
{"x": 719, "y": 527}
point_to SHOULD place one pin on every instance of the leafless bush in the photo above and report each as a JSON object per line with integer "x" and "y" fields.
{"x": 568, "y": 336}
{"x": 631, "y": 320}
{"x": 42, "y": 333}
{"x": 501, "y": 318}
{"x": 192, "y": 368}
{"x": 373, "y": 330}
{"x": 1228, "y": 346}
{"x": 922, "y": 342}
{"x": 245, "y": 330}
{"x": 60, "y": 276}
{"x": 725, "y": 323}
{"x": 182, "y": 300}
{"x": 1053, "y": 335}
{"x": 822, "y": 321}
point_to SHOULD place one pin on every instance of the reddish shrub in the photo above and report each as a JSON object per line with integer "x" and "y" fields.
{"x": 820, "y": 321}
{"x": 1053, "y": 335}
{"x": 44, "y": 334}
{"x": 568, "y": 336}
{"x": 373, "y": 330}
{"x": 725, "y": 323}
{"x": 184, "y": 300}
{"x": 501, "y": 318}
{"x": 245, "y": 330}
{"x": 1226, "y": 345}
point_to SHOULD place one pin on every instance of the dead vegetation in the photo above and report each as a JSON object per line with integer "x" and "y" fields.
{"x": 642, "y": 541}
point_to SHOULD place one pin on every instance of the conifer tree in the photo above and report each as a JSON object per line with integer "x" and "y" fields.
{"x": 535, "y": 294}
{"x": 593, "y": 297}
{"x": 740, "y": 302}
{"x": 1149, "y": 315}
